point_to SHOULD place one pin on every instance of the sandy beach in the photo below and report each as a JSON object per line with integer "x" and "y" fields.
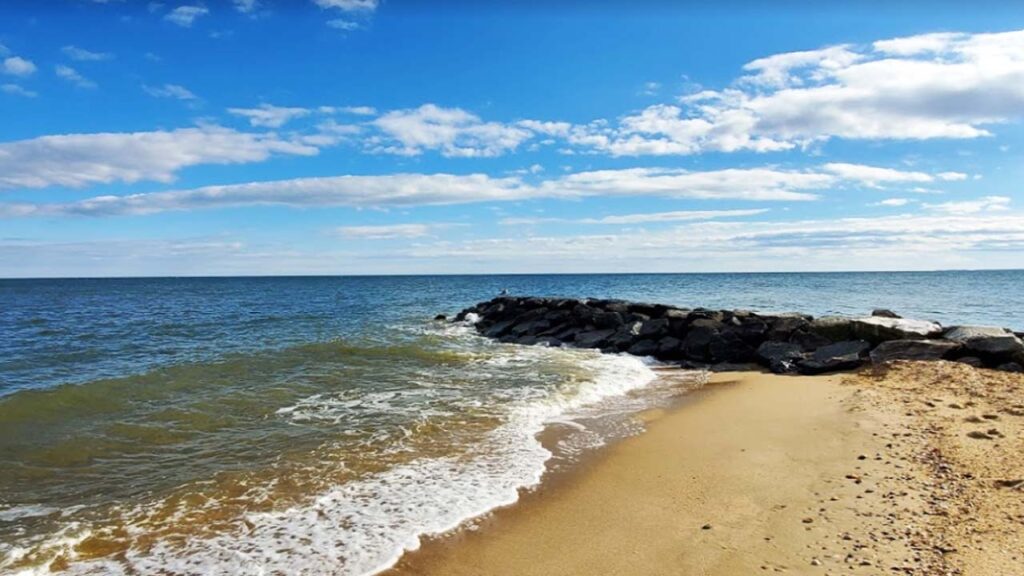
{"x": 910, "y": 469}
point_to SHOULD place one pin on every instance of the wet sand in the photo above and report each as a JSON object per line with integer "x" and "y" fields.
{"x": 909, "y": 470}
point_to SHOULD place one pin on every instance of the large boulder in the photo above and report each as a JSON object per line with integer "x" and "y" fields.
{"x": 624, "y": 336}
{"x": 695, "y": 344}
{"x": 608, "y": 319}
{"x": 729, "y": 346}
{"x": 645, "y": 347}
{"x": 655, "y": 329}
{"x": 780, "y": 357}
{"x": 885, "y": 313}
{"x": 986, "y": 341}
{"x": 878, "y": 329}
{"x": 913, "y": 350}
{"x": 593, "y": 338}
{"x": 669, "y": 348}
{"x": 835, "y": 328}
{"x": 782, "y": 326}
{"x": 839, "y": 356}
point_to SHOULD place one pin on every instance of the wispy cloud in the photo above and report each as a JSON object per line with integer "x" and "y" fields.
{"x": 175, "y": 91}
{"x": 37, "y": 164}
{"x": 71, "y": 75}
{"x": 349, "y": 5}
{"x": 83, "y": 55}
{"x": 389, "y": 231}
{"x": 17, "y": 90}
{"x": 269, "y": 116}
{"x": 185, "y": 16}
{"x": 82, "y": 159}
{"x": 986, "y": 204}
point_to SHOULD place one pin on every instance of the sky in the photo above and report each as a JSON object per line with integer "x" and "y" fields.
{"x": 264, "y": 137}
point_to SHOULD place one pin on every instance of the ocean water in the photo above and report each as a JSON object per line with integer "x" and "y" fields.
{"x": 323, "y": 425}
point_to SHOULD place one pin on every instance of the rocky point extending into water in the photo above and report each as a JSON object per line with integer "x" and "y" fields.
{"x": 740, "y": 339}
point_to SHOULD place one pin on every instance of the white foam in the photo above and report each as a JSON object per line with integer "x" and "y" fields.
{"x": 364, "y": 526}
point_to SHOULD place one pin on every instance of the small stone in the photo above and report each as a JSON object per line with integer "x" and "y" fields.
{"x": 706, "y": 527}
{"x": 807, "y": 520}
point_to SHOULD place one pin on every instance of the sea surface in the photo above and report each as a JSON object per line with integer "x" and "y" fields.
{"x": 323, "y": 425}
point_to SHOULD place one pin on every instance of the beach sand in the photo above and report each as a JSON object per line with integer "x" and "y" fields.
{"x": 869, "y": 473}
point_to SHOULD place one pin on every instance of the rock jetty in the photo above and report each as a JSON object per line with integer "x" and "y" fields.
{"x": 740, "y": 339}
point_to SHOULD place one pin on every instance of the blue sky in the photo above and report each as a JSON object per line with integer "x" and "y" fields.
{"x": 364, "y": 137}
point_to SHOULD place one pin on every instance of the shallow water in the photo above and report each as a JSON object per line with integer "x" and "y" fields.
{"x": 321, "y": 425}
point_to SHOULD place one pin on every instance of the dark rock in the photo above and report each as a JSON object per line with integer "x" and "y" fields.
{"x": 584, "y": 314}
{"x": 752, "y": 330}
{"x": 498, "y": 330}
{"x": 885, "y": 313}
{"x": 440, "y": 317}
{"x": 1010, "y": 367}
{"x": 728, "y": 346}
{"x": 695, "y": 344}
{"x": 986, "y": 340}
{"x": 971, "y": 361}
{"x": 624, "y": 336}
{"x": 608, "y": 319}
{"x": 655, "y": 329}
{"x": 809, "y": 340}
{"x": 644, "y": 347}
{"x": 532, "y": 327}
{"x": 839, "y": 356}
{"x": 835, "y": 328}
{"x": 735, "y": 367}
{"x": 780, "y": 357}
{"x": 669, "y": 348}
{"x": 527, "y": 340}
{"x": 782, "y": 327}
{"x": 876, "y": 329}
{"x": 593, "y": 338}
{"x": 913, "y": 350}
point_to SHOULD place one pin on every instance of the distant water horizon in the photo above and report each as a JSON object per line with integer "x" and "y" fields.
{"x": 323, "y": 424}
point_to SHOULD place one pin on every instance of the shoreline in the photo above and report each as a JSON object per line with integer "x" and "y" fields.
{"x": 758, "y": 473}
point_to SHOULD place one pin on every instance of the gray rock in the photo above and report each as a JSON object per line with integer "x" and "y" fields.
{"x": 735, "y": 367}
{"x": 654, "y": 329}
{"x": 593, "y": 338}
{"x": 498, "y": 330}
{"x": 839, "y": 356}
{"x": 885, "y": 313}
{"x": 644, "y": 347}
{"x": 876, "y": 329}
{"x": 608, "y": 319}
{"x": 669, "y": 348}
{"x": 986, "y": 340}
{"x": 809, "y": 340}
{"x": 780, "y": 357}
{"x": 971, "y": 361}
{"x": 695, "y": 344}
{"x": 624, "y": 336}
{"x": 835, "y": 328}
{"x": 913, "y": 350}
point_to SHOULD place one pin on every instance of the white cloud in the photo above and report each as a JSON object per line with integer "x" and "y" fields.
{"x": 451, "y": 131}
{"x": 18, "y": 66}
{"x": 349, "y": 5}
{"x": 185, "y": 16}
{"x": 269, "y": 116}
{"x": 17, "y": 90}
{"x": 342, "y": 24}
{"x": 386, "y": 232}
{"x": 647, "y": 218}
{"x": 83, "y": 55}
{"x": 986, "y": 204}
{"x": 913, "y": 88}
{"x": 895, "y": 242}
{"x": 357, "y": 110}
{"x": 170, "y": 91}
{"x": 892, "y": 202}
{"x": 874, "y": 176}
{"x": 246, "y": 6}
{"x": 389, "y": 190}
{"x": 71, "y": 75}
{"x": 81, "y": 159}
